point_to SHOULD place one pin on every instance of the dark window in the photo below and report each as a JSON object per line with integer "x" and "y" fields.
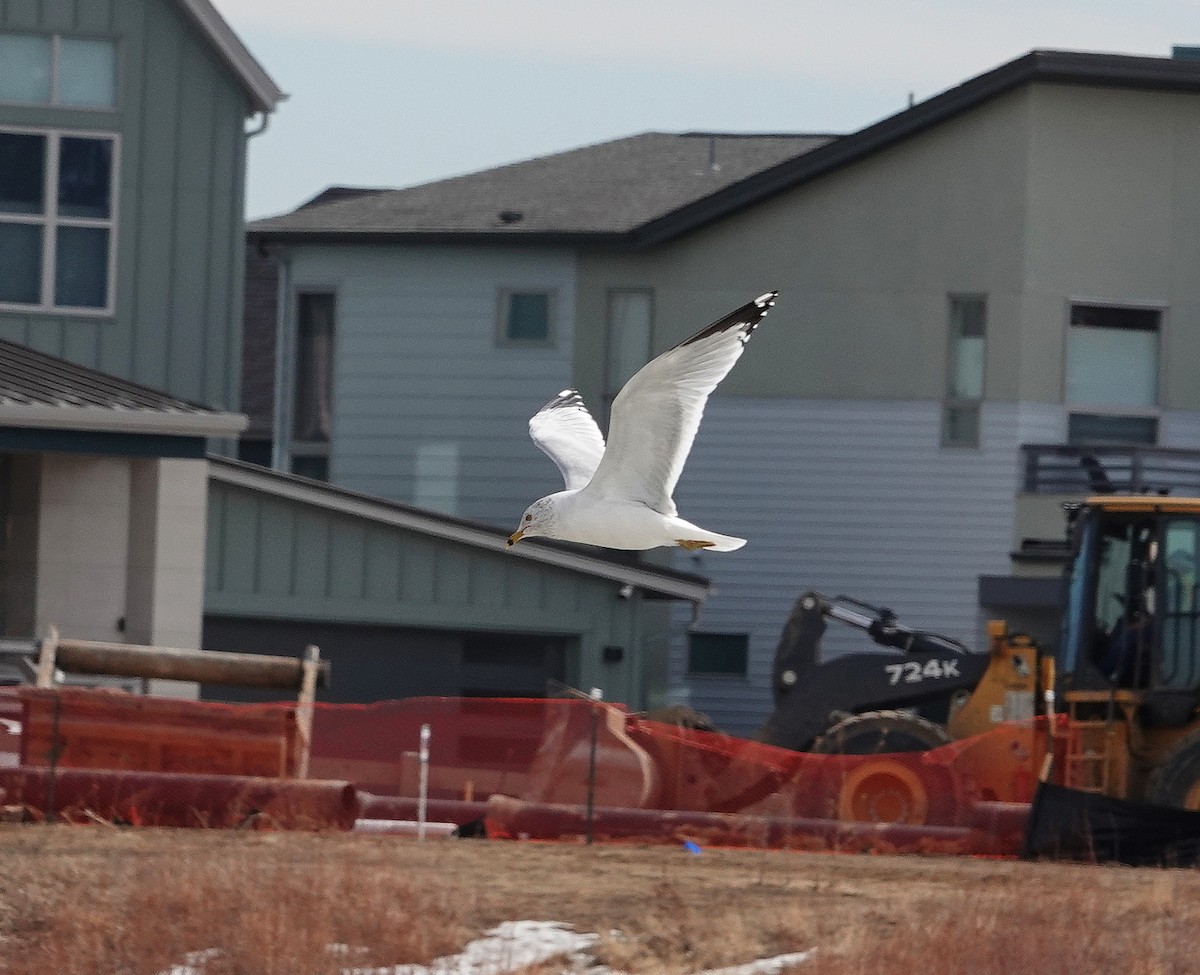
{"x": 525, "y": 317}
{"x": 85, "y": 178}
{"x": 69, "y": 220}
{"x": 314, "y": 467}
{"x": 718, "y": 653}
{"x": 1099, "y": 428}
{"x": 313, "y": 420}
{"x": 22, "y": 173}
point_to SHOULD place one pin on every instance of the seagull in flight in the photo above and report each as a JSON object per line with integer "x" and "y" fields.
{"x": 619, "y": 496}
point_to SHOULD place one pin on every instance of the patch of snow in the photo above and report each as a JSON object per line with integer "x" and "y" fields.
{"x": 511, "y": 945}
{"x": 514, "y": 945}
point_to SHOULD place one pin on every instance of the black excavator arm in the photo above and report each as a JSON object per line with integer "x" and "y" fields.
{"x": 923, "y": 673}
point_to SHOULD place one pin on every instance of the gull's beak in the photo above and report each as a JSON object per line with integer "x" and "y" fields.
{"x": 515, "y": 537}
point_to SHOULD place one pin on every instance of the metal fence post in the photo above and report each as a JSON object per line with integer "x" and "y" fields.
{"x": 423, "y": 787}
{"x": 596, "y": 695}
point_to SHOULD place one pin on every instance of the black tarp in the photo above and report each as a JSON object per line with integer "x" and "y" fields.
{"x": 1066, "y": 824}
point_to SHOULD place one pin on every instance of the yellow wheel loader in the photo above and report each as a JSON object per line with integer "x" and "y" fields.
{"x": 1121, "y": 693}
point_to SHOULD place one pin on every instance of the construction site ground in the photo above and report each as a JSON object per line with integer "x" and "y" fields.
{"x": 676, "y": 910}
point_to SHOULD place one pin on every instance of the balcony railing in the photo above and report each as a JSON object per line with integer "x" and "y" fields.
{"x": 1103, "y": 468}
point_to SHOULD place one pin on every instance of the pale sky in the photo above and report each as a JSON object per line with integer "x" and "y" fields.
{"x": 399, "y": 92}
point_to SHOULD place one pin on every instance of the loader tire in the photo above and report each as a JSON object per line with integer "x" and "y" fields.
{"x": 1176, "y": 782}
{"x": 877, "y": 732}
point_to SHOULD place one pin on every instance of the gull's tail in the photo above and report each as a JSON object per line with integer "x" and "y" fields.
{"x": 694, "y": 538}
{"x": 723, "y": 543}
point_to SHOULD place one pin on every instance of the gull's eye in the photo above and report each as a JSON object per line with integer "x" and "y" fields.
{"x": 529, "y": 517}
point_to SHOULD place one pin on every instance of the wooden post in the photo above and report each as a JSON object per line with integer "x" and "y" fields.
{"x": 304, "y": 710}
{"x": 47, "y": 655}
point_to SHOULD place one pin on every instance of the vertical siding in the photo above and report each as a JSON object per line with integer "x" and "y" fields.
{"x": 181, "y": 196}
{"x": 269, "y": 558}
{"x": 417, "y": 365}
{"x": 850, "y": 497}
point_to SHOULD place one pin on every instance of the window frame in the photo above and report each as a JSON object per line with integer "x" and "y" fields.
{"x": 1155, "y": 412}
{"x": 56, "y": 39}
{"x": 743, "y": 674}
{"x": 953, "y": 402}
{"x": 503, "y": 340}
{"x": 50, "y": 221}
{"x": 310, "y": 449}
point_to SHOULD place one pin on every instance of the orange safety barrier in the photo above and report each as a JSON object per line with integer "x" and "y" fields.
{"x": 81, "y": 728}
{"x": 566, "y": 768}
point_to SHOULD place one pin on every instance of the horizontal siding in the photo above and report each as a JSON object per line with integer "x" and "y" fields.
{"x": 842, "y": 497}
{"x": 417, "y": 365}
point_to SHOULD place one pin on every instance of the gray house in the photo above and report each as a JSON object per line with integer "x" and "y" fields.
{"x": 976, "y": 293}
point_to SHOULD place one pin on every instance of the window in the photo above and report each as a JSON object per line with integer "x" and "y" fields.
{"x": 1112, "y": 374}
{"x": 526, "y": 317}
{"x": 630, "y": 321}
{"x": 74, "y": 72}
{"x": 57, "y": 220}
{"x": 312, "y": 410}
{"x": 721, "y": 654}
{"x": 967, "y": 360}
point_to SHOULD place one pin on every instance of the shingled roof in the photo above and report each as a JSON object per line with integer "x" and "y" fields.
{"x": 45, "y": 392}
{"x": 607, "y": 189}
{"x": 646, "y": 189}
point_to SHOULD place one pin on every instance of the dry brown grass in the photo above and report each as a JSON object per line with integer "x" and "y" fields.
{"x": 251, "y": 909}
{"x": 128, "y": 902}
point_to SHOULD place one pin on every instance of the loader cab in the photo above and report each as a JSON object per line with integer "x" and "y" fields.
{"x": 1132, "y": 619}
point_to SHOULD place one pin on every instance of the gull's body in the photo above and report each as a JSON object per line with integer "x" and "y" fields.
{"x": 620, "y": 496}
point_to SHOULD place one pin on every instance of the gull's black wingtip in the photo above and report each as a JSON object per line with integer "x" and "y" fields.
{"x": 745, "y": 319}
{"x": 567, "y": 398}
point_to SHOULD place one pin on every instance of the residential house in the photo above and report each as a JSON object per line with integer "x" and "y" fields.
{"x": 122, "y": 166}
{"x": 975, "y": 292}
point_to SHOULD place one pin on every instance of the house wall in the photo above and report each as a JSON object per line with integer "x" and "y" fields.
{"x": 1113, "y": 215}
{"x": 823, "y": 447}
{"x": 271, "y": 558}
{"x": 106, "y": 548}
{"x": 176, "y": 323}
{"x": 417, "y": 368}
{"x": 863, "y": 259}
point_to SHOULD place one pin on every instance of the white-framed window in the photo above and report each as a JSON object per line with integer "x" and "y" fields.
{"x": 630, "y": 332}
{"x": 58, "y": 206}
{"x": 1112, "y": 373}
{"x": 525, "y": 317}
{"x": 54, "y": 69}
{"x": 965, "y": 374}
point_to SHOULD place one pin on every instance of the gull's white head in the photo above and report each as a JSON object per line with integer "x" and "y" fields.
{"x": 538, "y": 519}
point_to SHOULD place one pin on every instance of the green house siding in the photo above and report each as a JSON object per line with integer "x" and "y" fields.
{"x": 180, "y": 197}
{"x": 271, "y": 558}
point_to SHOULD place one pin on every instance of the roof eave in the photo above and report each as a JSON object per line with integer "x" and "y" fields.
{"x": 693, "y": 589}
{"x": 102, "y": 419}
{"x": 1067, "y": 67}
{"x": 265, "y": 95}
{"x": 327, "y": 235}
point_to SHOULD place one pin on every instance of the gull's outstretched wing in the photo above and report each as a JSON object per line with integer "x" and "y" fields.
{"x": 655, "y": 417}
{"x": 565, "y": 430}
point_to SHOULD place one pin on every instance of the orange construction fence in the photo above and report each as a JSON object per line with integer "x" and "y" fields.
{"x": 564, "y": 768}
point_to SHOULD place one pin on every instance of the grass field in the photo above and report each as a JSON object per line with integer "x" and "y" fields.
{"x": 92, "y": 900}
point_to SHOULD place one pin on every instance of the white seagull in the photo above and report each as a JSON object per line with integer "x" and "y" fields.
{"x": 620, "y": 497}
